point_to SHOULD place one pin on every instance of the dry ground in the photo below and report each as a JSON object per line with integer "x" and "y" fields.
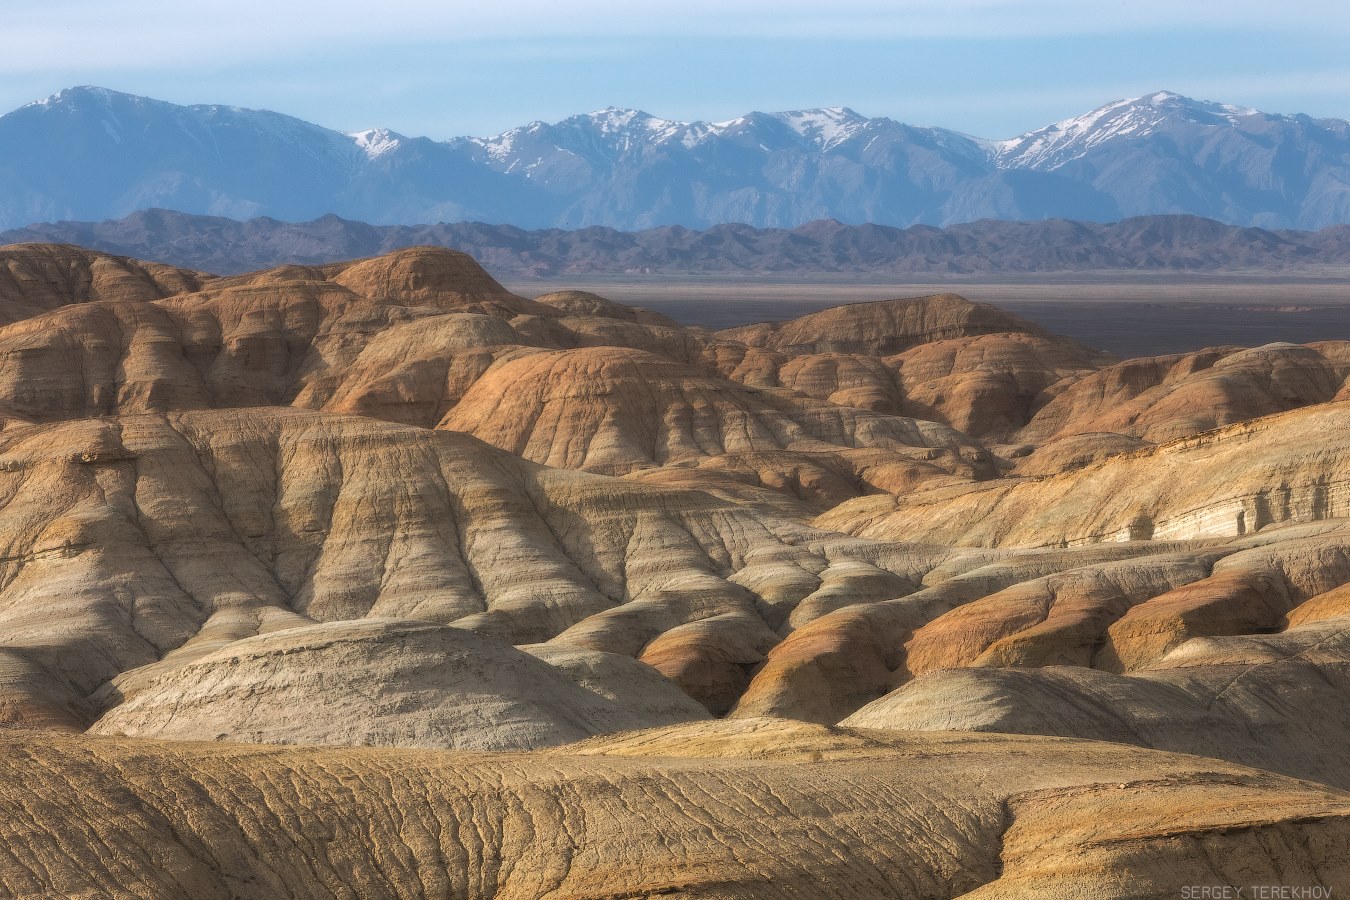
{"x": 1138, "y": 316}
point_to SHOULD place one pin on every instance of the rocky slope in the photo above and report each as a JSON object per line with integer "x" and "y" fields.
{"x": 439, "y": 687}
{"x": 747, "y": 809}
{"x": 44, "y": 278}
{"x": 388, "y": 503}
{"x": 153, "y": 540}
{"x": 1223, "y": 482}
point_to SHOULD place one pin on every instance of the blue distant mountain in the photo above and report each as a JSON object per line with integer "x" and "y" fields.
{"x": 89, "y": 153}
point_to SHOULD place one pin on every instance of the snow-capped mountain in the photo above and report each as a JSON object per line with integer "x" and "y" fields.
{"x": 1165, "y": 153}
{"x": 1050, "y": 147}
{"x": 90, "y": 153}
{"x": 610, "y": 133}
{"x": 89, "y": 150}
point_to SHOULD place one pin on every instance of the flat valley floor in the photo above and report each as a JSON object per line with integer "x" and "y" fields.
{"x": 1147, "y": 315}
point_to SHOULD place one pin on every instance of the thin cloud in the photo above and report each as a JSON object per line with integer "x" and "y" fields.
{"x": 987, "y": 66}
{"x": 127, "y": 34}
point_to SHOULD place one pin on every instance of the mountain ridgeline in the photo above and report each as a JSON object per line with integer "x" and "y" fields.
{"x": 1177, "y": 244}
{"x": 91, "y": 154}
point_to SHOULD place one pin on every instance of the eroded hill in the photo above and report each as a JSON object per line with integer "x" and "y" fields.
{"x": 727, "y": 810}
{"x": 389, "y": 503}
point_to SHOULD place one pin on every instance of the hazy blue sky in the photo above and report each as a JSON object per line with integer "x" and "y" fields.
{"x": 988, "y": 67}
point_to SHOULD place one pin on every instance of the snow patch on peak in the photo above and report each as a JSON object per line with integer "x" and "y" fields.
{"x": 74, "y": 94}
{"x": 502, "y": 145}
{"x": 1177, "y": 101}
{"x": 376, "y": 142}
{"x": 615, "y": 120}
{"x": 827, "y": 126}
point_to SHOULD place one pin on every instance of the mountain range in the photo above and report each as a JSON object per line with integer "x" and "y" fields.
{"x": 1145, "y": 243}
{"x": 92, "y": 153}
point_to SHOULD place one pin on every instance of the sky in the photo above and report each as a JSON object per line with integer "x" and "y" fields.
{"x": 442, "y": 68}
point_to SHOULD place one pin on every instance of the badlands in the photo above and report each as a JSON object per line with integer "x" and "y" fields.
{"x": 375, "y": 579}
